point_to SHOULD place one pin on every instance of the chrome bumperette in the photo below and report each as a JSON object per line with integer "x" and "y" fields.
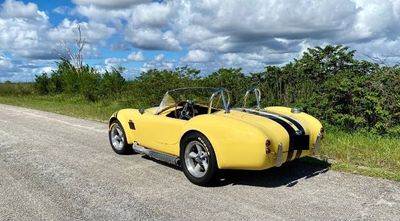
{"x": 317, "y": 144}
{"x": 279, "y": 156}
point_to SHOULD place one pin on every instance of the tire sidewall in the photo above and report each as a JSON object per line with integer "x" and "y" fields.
{"x": 125, "y": 149}
{"x": 212, "y": 167}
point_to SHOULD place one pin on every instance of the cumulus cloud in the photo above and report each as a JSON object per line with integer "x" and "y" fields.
{"x": 152, "y": 39}
{"x": 110, "y": 4}
{"x": 29, "y": 34}
{"x": 22, "y": 28}
{"x": 136, "y": 56}
{"x": 153, "y": 15}
{"x": 12, "y": 9}
{"x": 197, "y": 56}
{"x": 6, "y": 64}
{"x": 215, "y": 33}
{"x": 114, "y": 61}
{"x": 96, "y": 14}
{"x": 91, "y": 32}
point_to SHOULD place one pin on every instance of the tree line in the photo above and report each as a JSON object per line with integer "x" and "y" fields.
{"x": 328, "y": 82}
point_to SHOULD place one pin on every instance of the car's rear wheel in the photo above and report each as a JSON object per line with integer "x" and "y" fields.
{"x": 198, "y": 159}
{"x": 117, "y": 138}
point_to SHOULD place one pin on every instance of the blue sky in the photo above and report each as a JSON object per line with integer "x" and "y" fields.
{"x": 144, "y": 34}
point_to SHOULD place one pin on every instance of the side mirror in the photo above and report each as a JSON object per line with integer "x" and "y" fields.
{"x": 141, "y": 111}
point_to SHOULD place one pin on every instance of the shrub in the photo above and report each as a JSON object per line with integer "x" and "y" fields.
{"x": 42, "y": 84}
{"x": 328, "y": 82}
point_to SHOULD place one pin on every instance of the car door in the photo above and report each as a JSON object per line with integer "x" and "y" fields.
{"x": 161, "y": 133}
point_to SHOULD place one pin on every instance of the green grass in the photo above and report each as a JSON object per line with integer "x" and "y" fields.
{"x": 356, "y": 152}
{"x": 71, "y": 106}
{"x": 363, "y": 153}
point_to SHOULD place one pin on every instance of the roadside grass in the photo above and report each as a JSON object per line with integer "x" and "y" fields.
{"x": 71, "y": 106}
{"x": 355, "y": 152}
{"x": 362, "y": 153}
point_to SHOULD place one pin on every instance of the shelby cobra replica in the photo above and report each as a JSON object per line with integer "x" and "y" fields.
{"x": 196, "y": 129}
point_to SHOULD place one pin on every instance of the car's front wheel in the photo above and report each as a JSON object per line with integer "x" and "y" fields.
{"x": 198, "y": 159}
{"x": 116, "y": 135}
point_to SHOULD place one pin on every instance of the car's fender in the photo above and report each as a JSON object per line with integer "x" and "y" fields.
{"x": 311, "y": 124}
{"x": 228, "y": 136}
{"x": 125, "y": 116}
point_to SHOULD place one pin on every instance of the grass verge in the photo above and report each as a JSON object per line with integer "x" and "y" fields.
{"x": 355, "y": 152}
{"x": 71, "y": 106}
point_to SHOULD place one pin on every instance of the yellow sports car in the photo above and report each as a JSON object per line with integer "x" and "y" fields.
{"x": 196, "y": 129}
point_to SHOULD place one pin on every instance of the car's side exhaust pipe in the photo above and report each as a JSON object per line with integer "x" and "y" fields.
{"x": 156, "y": 154}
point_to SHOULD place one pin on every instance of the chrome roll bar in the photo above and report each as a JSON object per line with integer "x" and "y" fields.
{"x": 225, "y": 102}
{"x": 257, "y": 93}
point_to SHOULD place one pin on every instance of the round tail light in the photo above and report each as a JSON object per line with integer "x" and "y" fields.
{"x": 267, "y": 146}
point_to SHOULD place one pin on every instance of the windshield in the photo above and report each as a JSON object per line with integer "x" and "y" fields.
{"x": 214, "y": 98}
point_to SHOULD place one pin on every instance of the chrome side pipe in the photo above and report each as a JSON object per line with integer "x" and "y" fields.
{"x": 156, "y": 154}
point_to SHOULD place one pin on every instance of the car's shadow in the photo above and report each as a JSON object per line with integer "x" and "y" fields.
{"x": 287, "y": 175}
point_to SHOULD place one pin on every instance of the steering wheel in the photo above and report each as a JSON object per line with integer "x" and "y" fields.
{"x": 187, "y": 111}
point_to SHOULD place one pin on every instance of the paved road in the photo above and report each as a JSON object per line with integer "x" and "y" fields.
{"x": 54, "y": 167}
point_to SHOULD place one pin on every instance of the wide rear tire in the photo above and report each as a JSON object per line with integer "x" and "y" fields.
{"x": 198, "y": 159}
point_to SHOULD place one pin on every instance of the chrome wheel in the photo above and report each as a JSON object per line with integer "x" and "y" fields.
{"x": 117, "y": 137}
{"x": 196, "y": 158}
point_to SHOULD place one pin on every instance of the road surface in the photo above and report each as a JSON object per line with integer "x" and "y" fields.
{"x": 54, "y": 167}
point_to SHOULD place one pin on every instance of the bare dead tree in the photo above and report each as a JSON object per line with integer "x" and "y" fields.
{"x": 75, "y": 51}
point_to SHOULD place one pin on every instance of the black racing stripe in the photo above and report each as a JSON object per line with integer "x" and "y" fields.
{"x": 284, "y": 124}
{"x": 298, "y": 125}
{"x": 293, "y": 121}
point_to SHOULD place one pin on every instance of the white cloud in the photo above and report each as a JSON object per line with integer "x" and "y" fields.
{"x": 13, "y": 9}
{"x": 114, "y": 61}
{"x": 46, "y": 69}
{"x": 136, "y": 56}
{"x": 197, "y": 56}
{"x": 96, "y": 14}
{"x": 154, "y": 14}
{"x": 216, "y": 33}
{"x": 152, "y": 39}
{"x": 29, "y": 33}
{"x": 110, "y": 4}
{"x": 62, "y": 10}
{"x": 91, "y": 32}
{"x": 376, "y": 19}
{"x": 23, "y": 30}
{"x": 26, "y": 33}
{"x": 159, "y": 57}
{"x": 5, "y": 63}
